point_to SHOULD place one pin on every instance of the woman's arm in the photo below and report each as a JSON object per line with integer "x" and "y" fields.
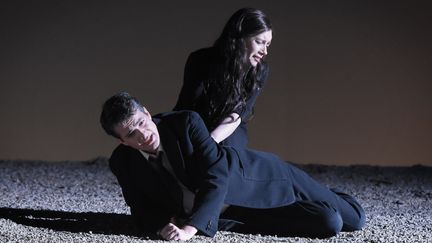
{"x": 226, "y": 128}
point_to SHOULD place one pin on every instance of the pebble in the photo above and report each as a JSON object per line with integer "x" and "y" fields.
{"x": 397, "y": 201}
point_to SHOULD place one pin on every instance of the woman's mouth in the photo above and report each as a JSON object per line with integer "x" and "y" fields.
{"x": 257, "y": 58}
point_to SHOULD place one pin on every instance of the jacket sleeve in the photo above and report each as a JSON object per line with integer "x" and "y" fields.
{"x": 148, "y": 214}
{"x": 192, "y": 84}
{"x": 210, "y": 158}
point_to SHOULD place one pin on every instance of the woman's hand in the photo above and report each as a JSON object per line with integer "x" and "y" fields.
{"x": 226, "y": 128}
{"x": 172, "y": 232}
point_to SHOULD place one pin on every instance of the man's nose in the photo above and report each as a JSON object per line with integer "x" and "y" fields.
{"x": 138, "y": 135}
{"x": 142, "y": 135}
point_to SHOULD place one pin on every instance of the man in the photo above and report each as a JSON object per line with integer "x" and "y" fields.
{"x": 177, "y": 181}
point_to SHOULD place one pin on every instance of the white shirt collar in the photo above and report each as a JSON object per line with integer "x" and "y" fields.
{"x": 147, "y": 155}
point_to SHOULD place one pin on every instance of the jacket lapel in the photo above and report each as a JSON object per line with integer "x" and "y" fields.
{"x": 171, "y": 146}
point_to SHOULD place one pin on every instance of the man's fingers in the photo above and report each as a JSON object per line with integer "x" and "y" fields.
{"x": 173, "y": 235}
{"x": 170, "y": 232}
{"x": 165, "y": 230}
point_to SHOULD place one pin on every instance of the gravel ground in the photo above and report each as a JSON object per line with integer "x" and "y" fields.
{"x": 82, "y": 202}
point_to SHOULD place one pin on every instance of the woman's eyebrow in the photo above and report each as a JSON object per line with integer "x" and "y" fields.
{"x": 261, "y": 39}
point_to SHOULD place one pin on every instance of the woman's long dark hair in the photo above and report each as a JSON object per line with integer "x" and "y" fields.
{"x": 239, "y": 77}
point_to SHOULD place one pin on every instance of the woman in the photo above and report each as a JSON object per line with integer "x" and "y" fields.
{"x": 222, "y": 82}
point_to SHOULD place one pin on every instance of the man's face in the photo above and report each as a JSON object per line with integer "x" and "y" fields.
{"x": 139, "y": 132}
{"x": 257, "y": 47}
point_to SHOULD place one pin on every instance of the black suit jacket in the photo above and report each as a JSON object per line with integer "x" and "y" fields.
{"x": 219, "y": 175}
{"x": 206, "y": 66}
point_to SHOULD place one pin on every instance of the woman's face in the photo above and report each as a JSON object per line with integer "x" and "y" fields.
{"x": 256, "y": 46}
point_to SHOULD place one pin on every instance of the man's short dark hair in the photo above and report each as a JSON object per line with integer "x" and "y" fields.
{"x": 117, "y": 109}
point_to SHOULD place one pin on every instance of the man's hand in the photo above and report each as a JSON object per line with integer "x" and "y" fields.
{"x": 172, "y": 232}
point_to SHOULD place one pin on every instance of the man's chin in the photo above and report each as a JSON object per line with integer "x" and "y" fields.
{"x": 156, "y": 146}
{"x": 152, "y": 148}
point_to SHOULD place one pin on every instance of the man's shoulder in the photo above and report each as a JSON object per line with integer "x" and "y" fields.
{"x": 179, "y": 124}
{"x": 176, "y": 116}
{"x": 120, "y": 156}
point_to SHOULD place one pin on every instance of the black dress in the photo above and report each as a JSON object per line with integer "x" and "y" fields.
{"x": 206, "y": 65}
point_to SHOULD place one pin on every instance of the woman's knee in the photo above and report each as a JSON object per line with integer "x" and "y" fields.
{"x": 330, "y": 224}
{"x": 356, "y": 218}
{"x": 320, "y": 219}
{"x": 357, "y": 223}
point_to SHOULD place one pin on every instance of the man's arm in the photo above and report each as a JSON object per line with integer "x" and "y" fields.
{"x": 149, "y": 215}
{"x": 212, "y": 162}
{"x": 172, "y": 232}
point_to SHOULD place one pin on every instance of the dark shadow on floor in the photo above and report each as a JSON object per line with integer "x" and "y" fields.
{"x": 98, "y": 223}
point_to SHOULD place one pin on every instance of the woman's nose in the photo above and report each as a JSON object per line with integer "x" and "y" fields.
{"x": 265, "y": 50}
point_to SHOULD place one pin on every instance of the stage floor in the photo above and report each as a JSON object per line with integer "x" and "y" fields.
{"x": 82, "y": 202}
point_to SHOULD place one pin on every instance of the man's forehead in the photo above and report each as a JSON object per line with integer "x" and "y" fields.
{"x": 128, "y": 122}
{"x": 138, "y": 115}
{"x": 124, "y": 127}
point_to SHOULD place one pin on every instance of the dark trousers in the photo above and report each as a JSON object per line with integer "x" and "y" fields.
{"x": 318, "y": 212}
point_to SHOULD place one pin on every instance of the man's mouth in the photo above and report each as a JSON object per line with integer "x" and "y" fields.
{"x": 149, "y": 140}
{"x": 146, "y": 142}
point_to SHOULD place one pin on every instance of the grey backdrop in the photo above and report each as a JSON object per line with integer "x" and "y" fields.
{"x": 350, "y": 81}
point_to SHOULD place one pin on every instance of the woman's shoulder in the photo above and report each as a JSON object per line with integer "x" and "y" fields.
{"x": 206, "y": 54}
{"x": 206, "y": 61}
{"x": 204, "y": 51}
